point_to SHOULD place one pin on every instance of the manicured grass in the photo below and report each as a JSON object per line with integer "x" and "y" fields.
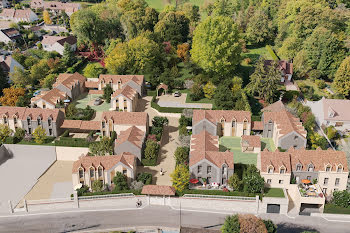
{"x": 312, "y": 84}
{"x": 216, "y": 192}
{"x": 84, "y": 99}
{"x": 48, "y": 142}
{"x": 202, "y": 101}
{"x": 274, "y": 192}
{"x": 267, "y": 143}
{"x": 333, "y": 209}
{"x": 160, "y": 4}
{"x": 233, "y": 144}
{"x": 255, "y": 52}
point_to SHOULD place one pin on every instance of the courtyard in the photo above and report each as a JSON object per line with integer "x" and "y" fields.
{"x": 169, "y": 100}
{"x": 88, "y": 100}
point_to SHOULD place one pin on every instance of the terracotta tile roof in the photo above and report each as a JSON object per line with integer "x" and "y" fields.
{"x": 126, "y": 118}
{"x": 95, "y": 92}
{"x": 133, "y": 135}
{"x": 340, "y": 108}
{"x": 215, "y": 157}
{"x": 23, "y": 112}
{"x": 122, "y": 78}
{"x": 50, "y": 40}
{"x": 285, "y": 121}
{"x": 126, "y": 91}
{"x": 291, "y": 158}
{"x": 319, "y": 158}
{"x": 10, "y": 112}
{"x": 251, "y": 140}
{"x": 275, "y": 107}
{"x": 67, "y": 7}
{"x": 276, "y": 159}
{"x": 215, "y": 116}
{"x": 90, "y": 84}
{"x": 107, "y": 162}
{"x": 159, "y": 190}
{"x": 16, "y": 14}
{"x": 257, "y": 125}
{"x": 53, "y": 96}
{"x": 70, "y": 80}
{"x": 163, "y": 86}
{"x": 10, "y": 32}
{"x": 79, "y": 124}
{"x": 204, "y": 141}
{"x": 285, "y": 66}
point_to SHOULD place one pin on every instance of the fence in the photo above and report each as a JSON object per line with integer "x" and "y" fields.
{"x": 219, "y": 197}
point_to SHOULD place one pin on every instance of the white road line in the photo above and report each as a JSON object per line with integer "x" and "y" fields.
{"x": 334, "y": 220}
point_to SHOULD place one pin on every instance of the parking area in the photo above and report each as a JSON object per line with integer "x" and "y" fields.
{"x": 233, "y": 144}
{"x": 86, "y": 99}
{"x": 20, "y": 173}
{"x": 169, "y": 100}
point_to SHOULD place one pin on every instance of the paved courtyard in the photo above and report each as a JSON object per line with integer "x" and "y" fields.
{"x": 56, "y": 182}
{"x": 19, "y": 174}
{"x": 179, "y": 102}
{"x": 85, "y": 100}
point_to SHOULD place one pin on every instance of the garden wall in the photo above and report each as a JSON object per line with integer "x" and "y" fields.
{"x": 70, "y": 153}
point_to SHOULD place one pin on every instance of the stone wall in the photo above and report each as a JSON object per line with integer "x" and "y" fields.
{"x": 70, "y": 153}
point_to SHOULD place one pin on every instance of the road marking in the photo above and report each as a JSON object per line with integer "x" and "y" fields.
{"x": 201, "y": 211}
{"x": 334, "y": 220}
{"x": 70, "y": 211}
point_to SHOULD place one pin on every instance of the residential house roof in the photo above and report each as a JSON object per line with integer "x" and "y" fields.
{"x": 23, "y": 112}
{"x": 7, "y": 63}
{"x": 286, "y": 122}
{"x": 96, "y": 92}
{"x": 285, "y": 66}
{"x": 275, "y": 159}
{"x": 81, "y": 125}
{"x": 133, "y": 135}
{"x": 69, "y": 80}
{"x": 257, "y": 125}
{"x": 50, "y": 40}
{"x": 126, "y": 118}
{"x": 126, "y": 91}
{"x": 275, "y": 107}
{"x": 215, "y": 157}
{"x": 251, "y": 141}
{"x": 215, "y": 116}
{"x": 106, "y": 78}
{"x": 53, "y": 96}
{"x": 158, "y": 190}
{"x": 10, "y": 32}
{"x": 16, "y": 13}
{"x": 107, "y": 162}
{"x": 91, "y": 84}
{"x": 204, "y": 141}
{"x": 336, "y": 109}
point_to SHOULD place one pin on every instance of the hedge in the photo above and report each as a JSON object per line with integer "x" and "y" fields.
{"x": 215, "y": 192}
{"x": 151, "y": 93}
{"x": 136, "y": 192}
{"x": 256, "y": 118}
{"x": 149, "y": 162}
{"x": 72, "y": 142}
{"x": 166, "y": 109}
{"x": 272, "y": 53}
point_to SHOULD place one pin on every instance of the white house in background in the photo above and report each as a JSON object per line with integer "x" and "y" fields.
{"x": 4, "y": 4}
{"x": 335, "y": 112}
{"x": 9, "y": 35}
{"x": 8, "y": 64}
{"x": 56, "y": 7}
{"x": 20, "y": 15}
{"x": 56, "y": 43}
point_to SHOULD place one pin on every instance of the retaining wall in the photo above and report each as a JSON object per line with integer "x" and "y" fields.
{"x": 70, "y": 153}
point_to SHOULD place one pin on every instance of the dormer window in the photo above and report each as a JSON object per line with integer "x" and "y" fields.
{"x": 310, "y": 168}
{"x": 81, "y": 173}
{"x": 49, "y": 121}
{"x": 299, "y": 167}
{"x": 39, "y": 121}
{"x": 270, "y": 169}
{"x": 103, "y": 124}
{"x": 100, "y": 173}
{"x": 328, "y": 168}
{"x": 331, "y": 112}
{"x": 282, "y": 170}
{"x": 340, "y": 168}
{"x": 15, "y": 120}
{"x": 5, "y": 119}
{"x": 92, "y": 172}
{"x": 29, "y": 120}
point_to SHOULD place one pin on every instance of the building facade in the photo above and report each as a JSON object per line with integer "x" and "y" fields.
{"x": 125, "y": 99}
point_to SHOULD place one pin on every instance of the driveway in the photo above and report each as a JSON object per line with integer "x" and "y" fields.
{"x": 20, "y": 173}
{"x": 179, "y": 102}
{"x": 170, "y": 142}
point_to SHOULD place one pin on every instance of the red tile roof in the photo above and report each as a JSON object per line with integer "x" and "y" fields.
{"x": 276, "y": 159}
{"x": 83, "y": 125}
{"x": 126, "y": 118}
{"x": 251, "y": 140}
{"x": 16, "y": 14}
{"x": 50, "y": 40}
{"x": 257, "y": 125}
{"x": 340, "y": 108}
{"x": 215, "y": 157}
{"x": 23, "y": 112}
{"x": 91, "y": 84}
{"x": 126, "y": 91}
{"x": 133, "y": 135}
{"x": 285, "y": 121}
{"x": 70, "y": 80}
{"x": 158, "y": 190}
{"x": 275, "y": 107}
{"x": 204, "y": 141}
{"x": 107, "y": 162}
{"x": 95, "y": 92}
{"x": 215, "y": 116}
{"x": 53, "y": 96}
{"x": 285, "y": 66}
{"x": 121, "y": 78}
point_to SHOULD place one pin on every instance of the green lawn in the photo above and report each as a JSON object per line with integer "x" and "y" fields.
{"x": 49, "y": 141}
{"x": 274, "y": 192}
{"x": 267, "y": 143}
{"x": 233, "y": 144}
{"x": 333, "y": 209}
{"x": 312, "y": 84}
{"x": 83, "y": 100}
{"x": 160, "y": 4}
{"x": 255, "y": 52}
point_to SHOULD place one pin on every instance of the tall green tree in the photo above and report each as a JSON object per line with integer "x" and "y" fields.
{"x": 342, "y": 77}
{"x": 68, "y": 57}
{"x": 120, "y": 182}
{"x": 231, "y": 224}
{"x": 107, "y": 92}
{"x": 260, "y": 28}
{"x": 224, "y": 98}
{"x": 216, "y": 45}
{"x": 266, "y": 81}
{"x": 39, "y": 135}
{"x": 20, "y": 77}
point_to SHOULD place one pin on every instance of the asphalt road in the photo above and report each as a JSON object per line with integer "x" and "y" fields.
{"x": 157, "y": 216}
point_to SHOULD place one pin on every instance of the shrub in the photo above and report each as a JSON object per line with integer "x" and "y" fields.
{"x": 196, "y": 92}
{"x": 181, "y": 155}
{"x": 231, "y": 225}
{"x": 183, "y": 130}
{"x": 187, "y": 121}
{"x": 119, "y": 181}
{"x": 19, "y": 134}
{"x": 65, "y": 133}
{"x": 341, "y": 198}
{"x": 39, "y": 135}
{"x": 158, "y": 121}
{"x": 136, "y": 185}
{"x": 270, "y": 226}
{"x": 84, "y": 189}
{"x": 320, "y": 83}
{"x": 151, "y": 150}
{"x": 180, "y": 177}
{"x": 145, "y": 178}
{"x": 107, "y": 92}
{"x": 234, "y": 182}
{"x": 97, "y": 186}
{"x": 72, "y": 142}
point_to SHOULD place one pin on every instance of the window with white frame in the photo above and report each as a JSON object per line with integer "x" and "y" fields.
{"x": 340, "y": 168}
{"x": 268, "y": 181}
{"x": 337, "y": 181}
{"x": 270, "y": 169}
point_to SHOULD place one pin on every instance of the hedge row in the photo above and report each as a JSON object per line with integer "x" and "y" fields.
{"x": 72, "y": 142}
{"x": 149, "y": 162}
{"x": 166, "y": 109}
{"x": 136, "y": 192}
{"x": 272, "y": 53}
{"x": 215, "y": 192}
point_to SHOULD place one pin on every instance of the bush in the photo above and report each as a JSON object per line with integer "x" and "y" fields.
{"x": 231, "y": 224}
{"x": 182, "y": 155}
{"x": 65, "y": 133}
{"x": 19, "y": 134}
{"x": 145, "y": 178}
{"x": 120, "y": 182}
{"x": 160, "y": 121}
{"x": 136, "y": 185}
{"x": 158, "y": 131}
{"x": 97, "y": 186}
{"x": 136, "y": 192}
{"x": 84, "y": 189}
{"x": 151, "y": 150}
{"x": 320, "y": 83}
{"x": 72, "y": 142}
{"x": 185, "y": 121}
{"x": 270, "y": 226}
{"x": 183, "y": 130}
{"x": 196, "y": 92}
{"x": 341, "y": 198}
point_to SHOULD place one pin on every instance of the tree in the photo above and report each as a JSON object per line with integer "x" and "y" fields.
{"x": 158, "y": 121}
{"x": 19, "y": 134}
{"x": 270, "y": 226}
{"x": 180, "y": 177}
{"x": 231, "y": 224}
{"x": 183, "y": 51}
{"x": 342, "y": 77}
{"x": 191, "y": 12}
{"x": 209, "y": 90}
{"x": 101, "y": 148}
{"x": 19, "y": 77}
{"x": 223, "y": 97}
{"x": 48, "y": 81}
{"x": 107, "y": 92}
{"x": 173, "y": 27}
{"x": 216, "y": 45}
{"x": 39, "y": 71}
{"x": 46, "y": 17}
{"x": 249, "y": 223}
{"x": 39, "y": 135}
{"x": 120, "y": 182}
{"x": 11, "y": 95}
{"x": 181, "y": 155}
{"x": 236, "y": 84}
{"x": 196, "y": 92}
{"x": 266, "y": 81}
{"x": 234, "y": 182}
{"x": 71, "y": 110}
{"x": 331, "y": 132}
{"x": 135, "y": 56}
{"x": 68, "y": 57}
{"x": 97, "y": 186}
{"x": 259, "y": 28}
{"x": 93, "y": 70}
{"x": 252, "y": 180}
{"x": 145, "y": 178}
{"x": 151, "y": 150}
{"x": 5, "y": 132}
{"x": 3, "y": 81}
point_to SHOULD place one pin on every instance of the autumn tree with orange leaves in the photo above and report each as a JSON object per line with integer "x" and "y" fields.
{"x": 183, "y": 51}
{"x": 11, "y": 95}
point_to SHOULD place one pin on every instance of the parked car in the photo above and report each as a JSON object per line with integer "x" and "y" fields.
{"x": 177, "y": 94}
{"x": 97, "y": 101}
